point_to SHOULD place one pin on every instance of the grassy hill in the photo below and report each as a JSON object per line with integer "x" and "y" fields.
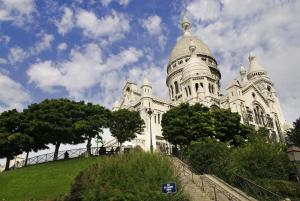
{"x": 42, "y": 182}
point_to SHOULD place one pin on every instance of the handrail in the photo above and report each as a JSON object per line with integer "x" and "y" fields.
{"x": 243, "y": 184}
{"x": 267, "y": 194}
{"x": 185, "y": 168}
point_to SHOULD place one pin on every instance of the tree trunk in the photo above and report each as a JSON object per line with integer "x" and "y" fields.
{"x": 56, "y": 151}
{"x": 26, "y": 159}
{"x": 88, "y": 146}
{"x": 7, "y": 163}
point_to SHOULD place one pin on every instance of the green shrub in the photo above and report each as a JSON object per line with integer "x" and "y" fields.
{"x": 259, "y": 160}
{"x": 281, "y": 187}
{"x": 208, "y": 157}
{"x": 136, "y": 176}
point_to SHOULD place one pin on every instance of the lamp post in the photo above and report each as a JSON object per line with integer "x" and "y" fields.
{"x": 150, "y": 112}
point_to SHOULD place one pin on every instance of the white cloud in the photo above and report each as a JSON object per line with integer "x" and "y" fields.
{"x": 44, "y": 44}
{"x": 45, "y": 75}
{"x": 2, "y": 61}
{"x": 121, "y": 2}
{"x": 84, "y": 69}
{"x": 205, "y": 9}
{"x": 154, "y": 26}
{"x": 12, "y": 94}
{"x": 4, "y": 39}
{"x": 66, "y": 23}
{"x": 62, "y": 46}
{"x": 154, "y": 73}
{"x": 112, "y": 26}
{"x": 105, "y": 2}
{"x": 124, "y": 2}
{"x": 127, "y": 56}
{"x": 18, "y": 11}
{"x": 270, "y": 29}
{"x": 16, "y": 55}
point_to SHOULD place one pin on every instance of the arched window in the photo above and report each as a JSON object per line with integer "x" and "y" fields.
{"x": 172, "y": 92}
{"x": 201, "y": 84}
{"x": 196, "y": 87}
{"x": 214, "y": 107}
{"x": 176, "y": 87}
{"x": 189, "y": 90}
{"x": 186, "y": 92}
{"x": 212, "y": 89}
{"x": 259, "y": 115}
{"x": 209, "y": 88}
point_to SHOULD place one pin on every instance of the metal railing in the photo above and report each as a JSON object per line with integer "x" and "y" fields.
{"x": 211, "y": 188}
{"x": 72, "y": 153}
{"x": 254, "y": 189}
{"x": 220, "y": 190}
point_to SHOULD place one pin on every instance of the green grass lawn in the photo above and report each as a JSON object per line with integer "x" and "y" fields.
{"x": 41, "y": 182}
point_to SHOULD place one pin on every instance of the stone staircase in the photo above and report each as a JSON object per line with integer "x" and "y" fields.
{"x": 206, "y": 187}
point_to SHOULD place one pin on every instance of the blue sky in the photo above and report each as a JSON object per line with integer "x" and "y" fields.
{"x": 87, "y": 49}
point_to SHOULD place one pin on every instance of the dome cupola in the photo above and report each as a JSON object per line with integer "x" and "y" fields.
{"x": 255, "y": 69}
{"x": 146, "y": 88}
{"x": 181, "y": 48}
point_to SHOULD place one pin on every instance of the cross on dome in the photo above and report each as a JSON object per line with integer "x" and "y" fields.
{"x": 185, "y": 24}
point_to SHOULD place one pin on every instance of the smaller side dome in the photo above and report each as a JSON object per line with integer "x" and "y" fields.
{"x": 146, "y": 82}
{"x": 116, "y": 105}
{"x": 255, "y": 68}
{"x": 243, "y": 70}
{"x": 195, "y": 66}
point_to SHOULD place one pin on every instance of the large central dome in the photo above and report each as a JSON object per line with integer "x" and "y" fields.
{"x": 182, "y": 47}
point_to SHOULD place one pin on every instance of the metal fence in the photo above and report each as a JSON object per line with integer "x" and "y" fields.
{"x": 72, "y": 153}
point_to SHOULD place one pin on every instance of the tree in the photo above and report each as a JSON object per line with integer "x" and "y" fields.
{"x": 175, "y": 127}
{"x": 53, "y": 120}
{"x": 183, "y": 124}
{"x": 12, "y": 141}
{"x": 27, "y": 127}
{"x": 294, "y": 133}
{"x": 227, "y": 124}
{"x": 93, "y": 118}
{"x": 125, "y": 124}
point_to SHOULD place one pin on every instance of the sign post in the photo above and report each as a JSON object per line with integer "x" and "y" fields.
{"x": 169, "y": 188}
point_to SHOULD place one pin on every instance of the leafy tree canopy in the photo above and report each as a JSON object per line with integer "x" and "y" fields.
{"x": 12, "y": 141}
{"x": 294, "y": 133}
{"x": 183, "y": 124}
{"x": 93, "y": 118}
{"x": 52, "y": 120}
{"x": 125, "y": 124}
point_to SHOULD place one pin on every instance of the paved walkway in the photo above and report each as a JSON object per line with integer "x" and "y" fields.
{"x": 190, "y": 188}
{"x": 214, "y": 188}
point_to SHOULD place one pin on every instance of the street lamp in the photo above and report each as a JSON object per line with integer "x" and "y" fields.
{"x": 150, "y": 112}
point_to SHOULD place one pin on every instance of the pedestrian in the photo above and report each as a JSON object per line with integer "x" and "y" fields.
{"x": 66, "y": 155}
{"x": 112, "y": 151}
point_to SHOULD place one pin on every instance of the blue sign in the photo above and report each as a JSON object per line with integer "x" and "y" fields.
{"x": 169, "y": 188}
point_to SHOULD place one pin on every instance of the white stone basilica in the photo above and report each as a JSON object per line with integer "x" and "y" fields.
{"x": 193, "y": 77}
